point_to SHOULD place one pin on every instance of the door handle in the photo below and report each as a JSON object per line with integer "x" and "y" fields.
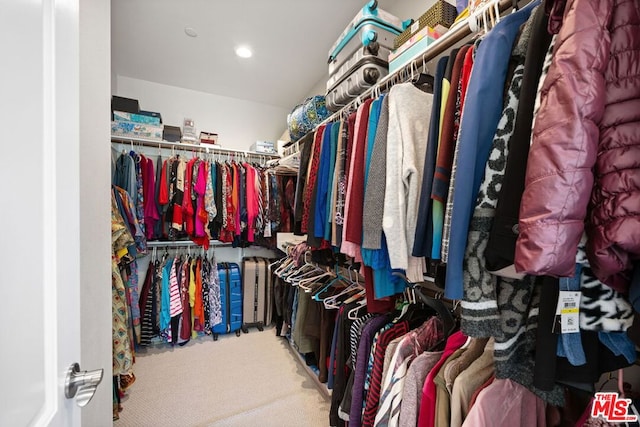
{"x": 81, "y": 384}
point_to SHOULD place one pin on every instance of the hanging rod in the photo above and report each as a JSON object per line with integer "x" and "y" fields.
{"x": 455, "y": 34}
{"x": 180, "y": 146}
{"x": 184, "y": 244}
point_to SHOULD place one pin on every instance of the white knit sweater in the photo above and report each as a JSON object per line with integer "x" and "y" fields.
{"x": 409, "y": 114}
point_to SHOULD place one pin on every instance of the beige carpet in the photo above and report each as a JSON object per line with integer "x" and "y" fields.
{"x": 253, "y": 380}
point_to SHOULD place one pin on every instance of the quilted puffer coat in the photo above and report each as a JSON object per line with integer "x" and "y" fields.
{"x": 584, "y": 163}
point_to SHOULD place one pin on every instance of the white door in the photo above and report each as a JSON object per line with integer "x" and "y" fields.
{"x": 39, "y": 212}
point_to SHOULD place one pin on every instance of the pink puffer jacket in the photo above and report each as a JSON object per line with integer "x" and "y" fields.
{"x": 584, "y": 161}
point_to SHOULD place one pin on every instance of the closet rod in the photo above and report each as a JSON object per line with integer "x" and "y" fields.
{"x": 293, "y": 158}
{"x": 456, "y": 34}
{"x": 180, "y": 146}
{"x": 184, "y": 244}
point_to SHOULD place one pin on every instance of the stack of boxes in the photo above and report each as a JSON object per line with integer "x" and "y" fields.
{"x": 129, "y": 120}
{"x": 423, "y": 32}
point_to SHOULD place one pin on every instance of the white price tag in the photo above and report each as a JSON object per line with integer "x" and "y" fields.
{"x": 568, "y": 309}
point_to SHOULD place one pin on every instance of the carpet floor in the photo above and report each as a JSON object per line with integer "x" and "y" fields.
{"x": 251, "y": 380}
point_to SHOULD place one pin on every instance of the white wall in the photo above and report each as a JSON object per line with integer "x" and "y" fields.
{"x": 114, "y": 82}
{"x": 407, "y": 9}
{"x": 95, "y": 205}
{"x": 238, "y": 123}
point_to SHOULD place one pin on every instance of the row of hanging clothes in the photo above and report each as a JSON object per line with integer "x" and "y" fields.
{"x": 308, "y": 288}
{"x": 383, "y": 368}
{"x": 201, "y": 197}
{"x": 180, "y": 297}
{"x": 464, "y": 176}
{"x": 182, "y": 196}
{"x": 124, "y": 292}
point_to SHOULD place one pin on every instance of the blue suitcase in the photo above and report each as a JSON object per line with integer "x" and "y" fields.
{"x": 230, "y": 299}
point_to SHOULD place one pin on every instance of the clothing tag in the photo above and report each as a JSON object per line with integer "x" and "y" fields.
{"x": 567, "y": 313}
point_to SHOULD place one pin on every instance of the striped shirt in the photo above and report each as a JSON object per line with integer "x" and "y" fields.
{"x": 175, "y": 305}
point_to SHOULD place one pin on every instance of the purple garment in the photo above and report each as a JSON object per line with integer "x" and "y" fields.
{"x": 364, "y": 348}
{"x": 200, "y": 188}
{"x": 151, "y": 215}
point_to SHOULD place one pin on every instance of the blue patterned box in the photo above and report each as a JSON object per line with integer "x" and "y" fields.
{"x": 121, "y": 116}
{"x": 137, "y": 130}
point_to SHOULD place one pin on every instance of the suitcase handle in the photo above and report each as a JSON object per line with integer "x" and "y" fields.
{"x": 371, "y": 75}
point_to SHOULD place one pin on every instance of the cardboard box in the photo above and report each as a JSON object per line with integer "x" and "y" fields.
{"x": 136, "y": 130}
{"x": 208, "y": 138}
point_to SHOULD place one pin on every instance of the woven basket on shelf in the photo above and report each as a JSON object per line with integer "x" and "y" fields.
{"x": 441, "y": 13}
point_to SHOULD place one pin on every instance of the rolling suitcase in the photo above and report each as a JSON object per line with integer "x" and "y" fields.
{"x": 367, "y": 40}
{"x": 257, "y": 293}
{"x": 231, "y": 300}
{"x": 351, "y": 85}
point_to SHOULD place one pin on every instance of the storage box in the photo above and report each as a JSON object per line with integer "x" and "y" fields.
{"x": 172, "y": 133}
{"x": 128, "y": 105}
{"x": 264, "y": 147}
{"x": 425, "y": 32}
{"x": 208, "y": 138}
{"x": 137, "y": 118}
{"x": 136, "y": 130}
{"x": 440, "y": 17}
{"x": 189, "y": 132}
{"x": 152, "y": 114}
{"x": 405, "y": 57}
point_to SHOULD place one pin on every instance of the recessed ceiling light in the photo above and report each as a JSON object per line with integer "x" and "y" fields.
{"x": 243, "y": 52}
{"x": 191, "y": 32}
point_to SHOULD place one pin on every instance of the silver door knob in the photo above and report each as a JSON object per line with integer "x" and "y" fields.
{"x": 81, "y": 384}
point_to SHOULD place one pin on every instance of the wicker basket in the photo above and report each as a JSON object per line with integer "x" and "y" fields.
{"x": 441, "y": 13}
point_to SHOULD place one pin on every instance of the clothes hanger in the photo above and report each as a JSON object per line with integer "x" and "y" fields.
{"x": 286, "y": 264}
{"x": 304, "y": 272}
{"x": 313, "y": 286}
{"x": 303, "y": 283}
{"x": 449, "y": 324}
{"x": 332, "y": 301}
{"x": 338, "y": 278}
{"x": 356, "y": 296}
{"x": 290, "y": 271}
{"x": 353, "y": 313}
{"x": 307, "y": 263}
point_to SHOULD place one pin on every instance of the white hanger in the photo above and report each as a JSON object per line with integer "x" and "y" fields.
{"x": 303, "y": 283}
{"x": 352, "y": 314}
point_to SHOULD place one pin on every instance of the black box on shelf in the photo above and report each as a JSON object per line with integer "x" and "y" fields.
{"x": 172, "y": 133}
{"x": 127, "y": 105}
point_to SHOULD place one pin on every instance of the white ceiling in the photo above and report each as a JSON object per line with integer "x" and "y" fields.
{"x": 290, "y": 40}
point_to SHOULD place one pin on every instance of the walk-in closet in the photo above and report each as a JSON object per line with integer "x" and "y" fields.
{"x": 344, "y": 213}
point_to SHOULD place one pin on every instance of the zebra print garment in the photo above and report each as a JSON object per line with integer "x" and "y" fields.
{"x": 601, "y": 307}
